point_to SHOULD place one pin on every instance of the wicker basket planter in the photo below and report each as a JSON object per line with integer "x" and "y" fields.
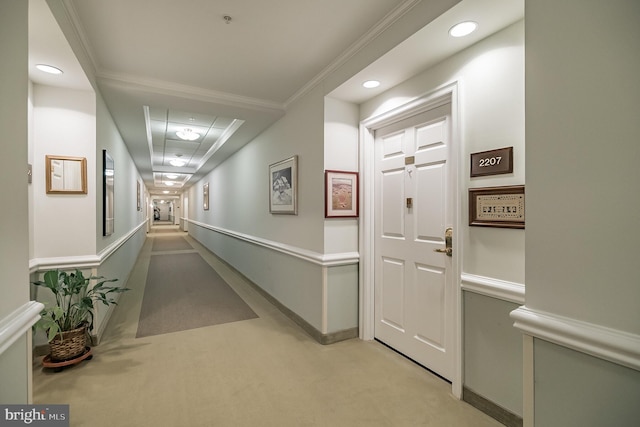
{"x": 68, "y": 345}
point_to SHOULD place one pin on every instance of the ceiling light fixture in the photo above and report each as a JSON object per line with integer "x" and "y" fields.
{"x": 187, "y": 134}
{"x": 169, "y": 183}
{"x": 370, "y": 84}
{"x": 49, "y": 69}
{"x": 177, "y": 163}
{"x": 171, "y": 175}
{"x": 463, "y": 29}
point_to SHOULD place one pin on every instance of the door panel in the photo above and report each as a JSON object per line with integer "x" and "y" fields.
{"x": 430, "y": 215}
{"x": 430, "y": 323}
{"x": 393, "y": 293}
{"x": 413, "y": 288}
{"x": 392, "y": 212}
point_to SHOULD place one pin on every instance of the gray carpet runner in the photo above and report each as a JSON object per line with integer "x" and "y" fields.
{"x": 183, "y": 292}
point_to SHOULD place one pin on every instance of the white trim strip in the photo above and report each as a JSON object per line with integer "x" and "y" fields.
{"x": 18, "y": 323}
{"x": 613, "y": 345}
{"x": 495, "y": 288}
{"x": 82, "y": 261}
{"x": 325, "y": 260}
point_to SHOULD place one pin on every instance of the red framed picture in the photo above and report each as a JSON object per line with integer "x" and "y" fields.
{"x": 341, "y": 194}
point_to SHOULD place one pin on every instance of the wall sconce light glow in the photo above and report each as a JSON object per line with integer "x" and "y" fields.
{"x": 177, "y": 163}
{"x": 171, "y": 175}
{"x": 49, "y": 69}
{"x": 370, "y": 84}
{"x": 463, "y": 29}
{"x": 187, "y": 134}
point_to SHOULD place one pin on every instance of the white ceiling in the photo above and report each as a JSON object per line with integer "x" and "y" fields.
{"x": 168, "y": 64}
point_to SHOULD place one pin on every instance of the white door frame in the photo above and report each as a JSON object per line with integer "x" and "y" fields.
{"x": 366, "y": 221}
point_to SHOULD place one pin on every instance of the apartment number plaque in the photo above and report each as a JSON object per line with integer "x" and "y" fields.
{"x": 492, "y": 162}
{"x": 497, "y": 206}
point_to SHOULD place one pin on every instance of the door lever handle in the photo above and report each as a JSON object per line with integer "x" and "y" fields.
{"x": 448, "y": 241}
{"x": 447, "y": 251}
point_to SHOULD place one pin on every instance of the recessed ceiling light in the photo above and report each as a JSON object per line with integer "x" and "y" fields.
{"x": 169, "y": 183}
{"x": 49, "y": 69}
{"x": 463, "y": 29}
{"x": 370, "y": 84}
{"x": 177, "y": 162}
{"x": 165, "y": 192}
{"x": 187, "y": 134}
{"x": 171, "y": 175}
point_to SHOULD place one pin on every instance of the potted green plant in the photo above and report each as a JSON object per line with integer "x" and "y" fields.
{"x": 68, "y": 321}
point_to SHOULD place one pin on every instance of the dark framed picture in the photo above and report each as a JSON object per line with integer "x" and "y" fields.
{"x": 283, "y": 186}
{"x": 138, "y": 199}
{"x": 341, "y": 194}
{"x": 205, "y": 196}
{"x": 497, "y": 207}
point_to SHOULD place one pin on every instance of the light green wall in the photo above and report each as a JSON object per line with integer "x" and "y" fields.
{"x": 577, "y": 390}
{"x": 342, "y": 297}
{"x": 127, "y": 216}
{"x": 14, "y": 227}
{"x": 582, "y": 160}
{"x": 582, "y": 96}
{"x": 492, "y": 351}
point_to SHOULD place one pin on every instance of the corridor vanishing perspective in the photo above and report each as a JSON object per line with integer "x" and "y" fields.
{"x": 236, "y": 363}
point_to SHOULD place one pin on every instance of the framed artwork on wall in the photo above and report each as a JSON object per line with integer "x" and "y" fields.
{"x": 66, "y": 175}
{"x": 138, "y": 201}
{"x": 341, "y": 194}
{"x": 205, "y": 196}
{"x": 108, "y": 175}
{"x": 497, "y": 206}
{"x": 283, "y": 186}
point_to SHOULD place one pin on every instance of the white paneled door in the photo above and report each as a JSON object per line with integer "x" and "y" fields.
{"x": 414, "y": 294}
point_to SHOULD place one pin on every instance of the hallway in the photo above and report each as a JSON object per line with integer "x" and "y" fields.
{"x": 263, "y": 371}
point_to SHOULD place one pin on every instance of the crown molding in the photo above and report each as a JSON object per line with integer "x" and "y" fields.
{"x": 356, "y": 47}
{"x": 131, "y": 82}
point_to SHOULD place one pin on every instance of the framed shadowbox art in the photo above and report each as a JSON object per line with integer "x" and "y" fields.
{"x": 205, "y": 196}
{"x": 108, "y": 197}
{"x": 341, "y": 194}
{"x": 283, "y": 186}
{"x": 497, "y": 207}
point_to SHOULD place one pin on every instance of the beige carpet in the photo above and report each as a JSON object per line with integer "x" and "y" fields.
{"x": 258, "y": 373}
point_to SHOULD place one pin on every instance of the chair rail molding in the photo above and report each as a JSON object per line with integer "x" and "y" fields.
{"x": 324, "y": 260}
{"x": 495, "y": 288}
{"x": 18, "y": 323}
{"x": 615, "y": 346}
{"x": 82, "y": 261}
